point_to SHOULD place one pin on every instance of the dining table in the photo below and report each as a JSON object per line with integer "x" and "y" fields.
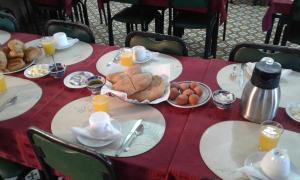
{"x": 176, "y": 156}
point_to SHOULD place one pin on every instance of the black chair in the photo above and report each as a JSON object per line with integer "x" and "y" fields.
{"x": 74, "y": 30}
{"x": 8, "y": 22}
{"x": 72, "y": 160}
{"x": 288, "y": 57}
{"x": 43, "y": 11}
{"x": 157, "y": 42}
{"x": 137, "y": 13}
{"x": 9, "y": 169}
{"x": 292, "y": 29}
{"x": 182, "y": 19}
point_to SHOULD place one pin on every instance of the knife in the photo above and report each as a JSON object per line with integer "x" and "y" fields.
{"x": 128, "y": 137}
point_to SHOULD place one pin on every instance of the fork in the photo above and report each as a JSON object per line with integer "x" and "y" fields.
{"x": 9, "y": 102}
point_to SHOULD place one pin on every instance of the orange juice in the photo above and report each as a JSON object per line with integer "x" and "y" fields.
{"x": 126, "y": 59}
{"x": 3, "y": 87}
{"x": 49, "y": 47}
{"x": 269, "y": 137}
{"x": 100, "y": 103}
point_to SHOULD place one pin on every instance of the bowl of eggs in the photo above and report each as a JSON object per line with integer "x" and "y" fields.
{"x": 189, "y": 94}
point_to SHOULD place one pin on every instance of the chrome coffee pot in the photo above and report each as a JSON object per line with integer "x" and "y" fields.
{"x": 261, "y": 95}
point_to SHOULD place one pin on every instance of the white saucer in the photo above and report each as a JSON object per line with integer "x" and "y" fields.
{"x": 291, "y": 110}
{"x": 37, "y": 71}
{"x": 255, "y": 158}
{"x": 77, "y": 80}
{"x": 99, "y": 143}
{"x": 71, "y": 42}
{"x": 148, "y": 57}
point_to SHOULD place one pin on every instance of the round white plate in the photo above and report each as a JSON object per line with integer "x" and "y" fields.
{"x": 71, "y": 42}
{"x": 22, "y": 69}
{"x": 70, "y": 80}
{"x": 99, "y": 143}
{"x": 42, "y": 70}
{"x": 255, "y": 158}
{"x": 291, "y": 110}
{"x": 202, "y": 100}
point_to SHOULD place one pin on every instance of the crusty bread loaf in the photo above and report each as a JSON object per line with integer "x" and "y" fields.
{"x": 141, "y": 81}
{"x": 125, "y": 85}
{"x": 16, "y": 45}
{"x": 15, "y": 54}
{"x": 3, "y": 60}
{"x": 15, "y": 64}
{"x": 154, "y": 91}
{"x": 31, "y": 54}
{"x": 115, "y": 77}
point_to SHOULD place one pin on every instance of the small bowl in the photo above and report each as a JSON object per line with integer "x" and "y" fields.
{"x": 95, "y": 83}
{"x": 223, "y": 99}
{"x": 57, "y": 71}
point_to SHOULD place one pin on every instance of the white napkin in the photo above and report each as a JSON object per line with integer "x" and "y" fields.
{"x": 108, "y": 132}
{"x": 249, "y": 67}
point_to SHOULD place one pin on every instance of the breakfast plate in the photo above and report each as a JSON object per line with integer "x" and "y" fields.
{"x": 37, "y": 71}
{"x": 253, "y": 160}
{"x": 77, "y": 80}
{"x": 293, "y": 111}
{"x": 99, "y": 143}
{"x": 206, "y": 95}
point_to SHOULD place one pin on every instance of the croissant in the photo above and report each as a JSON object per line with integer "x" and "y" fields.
{"x": 16, "y": 45}
{"x": 15, "y": 64}
{"x": 31, "y": 53}
{"x": 3, "y": 60}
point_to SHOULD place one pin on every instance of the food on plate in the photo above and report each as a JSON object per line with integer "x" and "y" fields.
{"x": 31, "y": 54}
{"x": 15, "y": 64}
{"x": 14, "y": 56}
{"x": 152, "y": 92}
{"x": 3, "y": 60}
{"x": 182, "y": 99}
{"x": 137, "y": 85}
{"x": 185, "y": 93}
{"x": 173, "y": 93}
{"x": 193, "y": 99}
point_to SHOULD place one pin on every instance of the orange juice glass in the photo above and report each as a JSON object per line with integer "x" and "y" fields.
{"x": 126, "y": 57}
{"x": 3, "y": 86}
{"x": 48, "y": 45}
{"x": 270, "y": 133}
{"x": 100, "y": 103}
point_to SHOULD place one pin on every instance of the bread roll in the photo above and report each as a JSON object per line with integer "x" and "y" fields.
{"x": 125, "y": 85}
{"x": 6, "y": 50}
{"x": 31, "y": 54}
{"x": 15, "y": 64}
{"x": 135, "y": 69}
{"x": 15, "y": 54}
{"x": 115, "y": 77}
{"x": 154, "y": 91}
{"x": 3, "y": 60}
{"x": 141, "y": 81}
{"x": 16, "y": 45}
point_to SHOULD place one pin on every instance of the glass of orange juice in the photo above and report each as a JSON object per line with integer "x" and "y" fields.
{"x": 100, "y": 103}
{"x": 48, "y": 45}
{"x": 270, "y": 132}
{"x": 126, "y": 57}
{"x": 3, "y": 86}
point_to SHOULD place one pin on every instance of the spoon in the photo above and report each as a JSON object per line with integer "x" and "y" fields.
{"x": 11, "y": 101}
{"x": 139, "y": 131}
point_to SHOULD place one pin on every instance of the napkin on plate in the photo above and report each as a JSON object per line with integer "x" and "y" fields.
{"x": 105, "y": 133}
{"x": 249, "y": 67}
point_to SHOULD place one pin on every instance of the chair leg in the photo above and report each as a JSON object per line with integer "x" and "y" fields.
{"x": 225, "y": 23}
{"x": 128, "y": 28}
{"x": 159, "y": 24}
{"x": 284, "y": 36}
{"x": 85, "y": 13}
{"x": 278, "y": 31}
{"x": 208, "y": 42}
{"x": 170, "y": 22}
{"x": 104, "y": 15}
{"x": 269, "y": 32}
{"x": 109, "y": 23}
{"x": 215, "y": 39}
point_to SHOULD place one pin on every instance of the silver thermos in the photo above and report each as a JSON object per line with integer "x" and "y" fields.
{"x": 261, "y": 95}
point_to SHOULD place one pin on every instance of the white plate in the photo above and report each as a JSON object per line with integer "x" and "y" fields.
{"x": 202, "y": 100}
{"x": 255, "y": 158}
{"x": 99, "y": 143}
{"x": 41, "y": 70}
{"x": 22, "y": 69}
{"x": 71, "y": 42}
{"x": 77, "y": 77}
{"x": 292, "y": 109}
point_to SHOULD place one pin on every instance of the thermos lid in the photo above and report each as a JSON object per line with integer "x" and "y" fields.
{"x": 266, "y": 74}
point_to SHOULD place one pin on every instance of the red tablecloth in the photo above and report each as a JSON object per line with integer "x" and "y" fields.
{"x": 276, "y": 6}
{"x": 175, "y": 157}
{"x": 217, "y": 6}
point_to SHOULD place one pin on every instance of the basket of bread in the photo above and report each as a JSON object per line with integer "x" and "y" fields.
{"x": 137, "y": 86}
{"x": 15, "y": 57}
